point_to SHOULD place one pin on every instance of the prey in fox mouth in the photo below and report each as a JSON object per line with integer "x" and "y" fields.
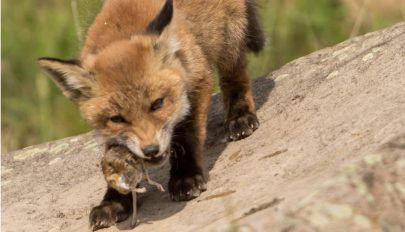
{"x": 151, "y": 155}
{"x": 124, "y": 171}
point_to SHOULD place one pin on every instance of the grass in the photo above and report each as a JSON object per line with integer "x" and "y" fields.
{"x": 34, "y": 111}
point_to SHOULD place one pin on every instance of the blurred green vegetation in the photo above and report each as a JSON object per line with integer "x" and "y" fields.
{"x": 34, "y": 111}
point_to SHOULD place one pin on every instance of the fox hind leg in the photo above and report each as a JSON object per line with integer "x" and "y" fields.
{"x": 240, "y": 111}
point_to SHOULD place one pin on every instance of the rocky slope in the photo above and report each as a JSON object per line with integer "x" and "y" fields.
{"x": 329, "y": 155}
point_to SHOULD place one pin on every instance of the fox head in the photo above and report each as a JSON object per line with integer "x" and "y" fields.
{"x": 132, "y": 91}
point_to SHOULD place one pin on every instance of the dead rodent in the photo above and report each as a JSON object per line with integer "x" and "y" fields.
{"x": 123, "y": 171}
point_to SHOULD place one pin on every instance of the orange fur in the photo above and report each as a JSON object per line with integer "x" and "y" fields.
{"x": 145, "y": 78}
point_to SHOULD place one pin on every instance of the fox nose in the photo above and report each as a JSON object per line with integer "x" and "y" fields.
{"x": 151, "y": 150}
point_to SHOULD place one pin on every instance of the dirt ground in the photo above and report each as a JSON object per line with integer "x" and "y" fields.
{"x": 318, "y": 114}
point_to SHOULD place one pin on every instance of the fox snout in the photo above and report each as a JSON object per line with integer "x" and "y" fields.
{"x": 153, "y": 154}
{"x": 153, "y": 151}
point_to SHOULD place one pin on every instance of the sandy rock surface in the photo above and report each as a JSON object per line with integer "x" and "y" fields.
{"x": 329, "y": 156}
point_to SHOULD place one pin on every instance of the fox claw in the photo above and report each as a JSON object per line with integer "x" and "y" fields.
{"x": 242, "y": 127}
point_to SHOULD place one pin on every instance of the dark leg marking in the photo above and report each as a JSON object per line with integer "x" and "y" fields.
{"x": 114, "y": 208}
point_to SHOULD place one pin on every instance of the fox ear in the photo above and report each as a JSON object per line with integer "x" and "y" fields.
{"x": 160, "y": 22}
{"x": 167, "y": 43}
{"x": 74, "y": 81}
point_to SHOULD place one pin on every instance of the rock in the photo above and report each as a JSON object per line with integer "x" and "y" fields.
{"x": 329, "y": 155}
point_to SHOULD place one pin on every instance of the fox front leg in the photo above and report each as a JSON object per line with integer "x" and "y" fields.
{"x": 187, "y": 180}
{"x": 114, "y": 208}
{"x": 186, "y": 175}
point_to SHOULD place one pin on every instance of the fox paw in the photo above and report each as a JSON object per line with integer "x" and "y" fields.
{"x": 185, "y": 188}
{"x": 104, "y": 216}
{"x": 242, "y": 126}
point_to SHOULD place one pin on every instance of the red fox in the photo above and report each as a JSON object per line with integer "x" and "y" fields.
{"x": 144, "y": 81}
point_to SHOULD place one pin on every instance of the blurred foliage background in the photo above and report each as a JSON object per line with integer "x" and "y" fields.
{"x": 34, "y": 111}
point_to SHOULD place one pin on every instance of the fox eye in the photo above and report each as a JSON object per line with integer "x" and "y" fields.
{"x": 118, "y": 119}
{"x": 157, "y": 104}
